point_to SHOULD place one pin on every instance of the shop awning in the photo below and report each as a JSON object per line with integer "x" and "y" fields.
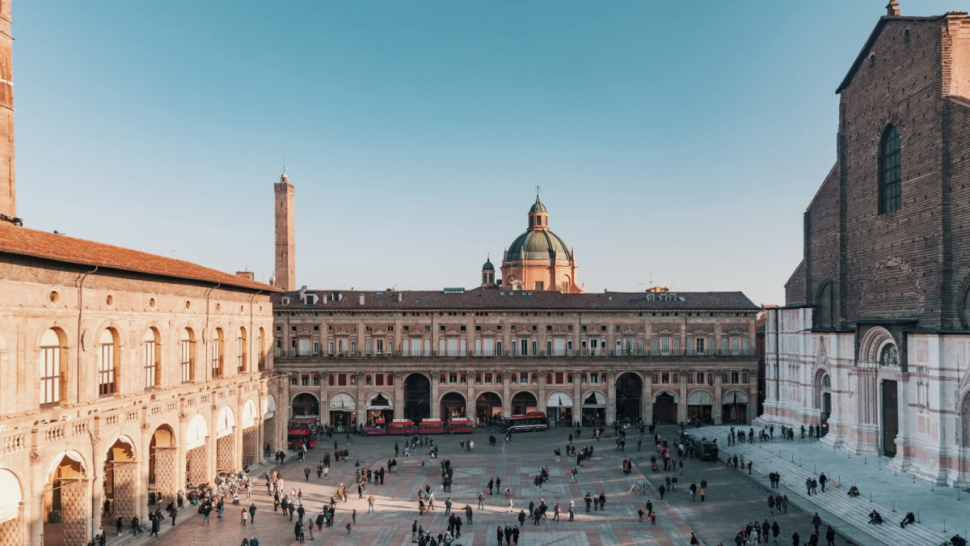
{"x": 734, "y": 397}
{"x": 594, "y": 400}
{"x": 559, "y": 400}
{"x": 700, "y": 398}
{"x": 342, "y": 402}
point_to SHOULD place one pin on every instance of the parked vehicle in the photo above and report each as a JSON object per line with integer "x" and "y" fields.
{"x": 377, "y": 429}
{"x": 399, "y": 427}
{"x": 431, "y": 426}
{"x": 461, "y": 426}
{"x": 530, "y": 422}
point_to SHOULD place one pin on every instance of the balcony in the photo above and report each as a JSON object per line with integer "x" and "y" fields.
{"x": 566, "y": 355}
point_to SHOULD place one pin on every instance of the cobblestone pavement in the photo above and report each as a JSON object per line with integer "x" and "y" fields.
{"x": 733, "y": 499}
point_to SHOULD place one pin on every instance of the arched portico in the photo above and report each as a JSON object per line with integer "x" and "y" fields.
{"x": 120, "y": 477}
{"x": 250, "y": 429}
{"x": 665, "y": 407}
{"x": 12, "y": 522}
{"x": 162, "y": 457}
{"x": 225, "y": 440}
{"x": 67, "y": 501}
{"x": 196, "y": 459}
{"x": 488, "y": 406}
{"x": 380, "y": 406}
{"x": 559, "y": 408}
{"x": 452, "y": 405}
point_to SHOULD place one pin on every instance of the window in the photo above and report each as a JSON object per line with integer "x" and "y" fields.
{"x": 569, "y": 345}
{"x": 330, "y": 348}
{"x": 890, "y": 172}
{"x": 316, "y": 380}
{"x": 106, "y": 364}
{"x": 724, "y": 343}
{"x": 744, "y": 345}
{"x": 700, "y": 345}
{"x": 515, "y": 346}
{"x": 305, "y": 380}
{"x": 51, "y": 375}
{"x": 353, "y": 347}
{"x": 241, "y": 351}
{"x": 619, "y": 348}
{"x": 734, "y": 377}
{"x": 700, "y": 377}
{"x": 540, "y": 285}
{"x": 676, "y": 345}
{"x": 261, "y": 355}
{"x": 665, "y": 377}
{"x": 735, "y": 346}
{"x": 640, "y": 347}
{"x": 185, "y": 345}
{"x": 151, "y": 359}
{"x": 665, "y": 345}
{"x": 535, "y": 348}
{"x": 379, "y": 346}
{"x": 217, "y": 353}
{"x": 549, "y": 348}
{"x": 316, "y": 349}
{"x": 653, "y": 346}
{"x": 744, "y": 377}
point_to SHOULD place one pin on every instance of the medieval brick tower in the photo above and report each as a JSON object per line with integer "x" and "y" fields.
{"x": 285, "y": 275}
{"x": 8, "y": 186}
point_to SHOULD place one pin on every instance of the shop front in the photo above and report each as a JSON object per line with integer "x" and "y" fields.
{"x": 559, "y": 409}
{"x": 343, "y": 411}
{"x": 734, "y": 407}
{"x": 699, "y": 407}
{"x": 594, "y": 410}
{"x": 379, "y": 406}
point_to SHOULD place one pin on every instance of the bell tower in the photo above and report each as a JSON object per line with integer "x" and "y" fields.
{"x": 8, "y": 186}
{"x": 285, "y": 273}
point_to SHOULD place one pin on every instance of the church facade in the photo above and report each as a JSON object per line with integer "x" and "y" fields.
{"x": 874, "y": 340}
{"x": 530, "y": 341}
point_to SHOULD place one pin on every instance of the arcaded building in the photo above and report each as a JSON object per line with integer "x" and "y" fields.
{"x": 124, "y": 374}
{"x": 533, "y": 344}
{"x": 874, "y": 340}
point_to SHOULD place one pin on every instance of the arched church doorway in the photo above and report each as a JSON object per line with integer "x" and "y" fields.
{"x": 417, "y": 397}
{"x": 890, "y": 418}
{"x": 452, "y": 406}
{"x": 524, "y": 402}
{"x": 629, "y": 388}
{"x": 488, "y": 406}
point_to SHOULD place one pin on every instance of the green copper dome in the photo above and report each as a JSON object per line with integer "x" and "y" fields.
{"x": 488, "y": 266}
{"x": 538, "y": 207}
{"x": 538, "y": 245}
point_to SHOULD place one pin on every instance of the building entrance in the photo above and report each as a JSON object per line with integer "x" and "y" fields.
{"x": 890, "y": 418}
{"x": 417, "y": 397}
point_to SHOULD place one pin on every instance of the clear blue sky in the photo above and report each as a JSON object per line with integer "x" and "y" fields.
{"x": 684, "y": 139}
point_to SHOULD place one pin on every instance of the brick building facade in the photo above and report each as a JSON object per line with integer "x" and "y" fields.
{"x": 874, "y": 341}
{"x": 509, "y": 348}
{"x": 123, "y": 374}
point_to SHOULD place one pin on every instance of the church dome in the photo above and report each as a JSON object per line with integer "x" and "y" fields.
{"x": 538, "y": 245}
{"x": 538, "y": 206}
{"x": 488, "y": 266}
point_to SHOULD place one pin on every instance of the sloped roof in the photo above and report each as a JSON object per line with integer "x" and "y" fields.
{"x": 61, "y": 248}
{"x": 491, "y": 298}
{"x": 872, "y": 40}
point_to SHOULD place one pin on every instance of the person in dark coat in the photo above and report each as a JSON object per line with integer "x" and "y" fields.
{"x": 500, "y": 535}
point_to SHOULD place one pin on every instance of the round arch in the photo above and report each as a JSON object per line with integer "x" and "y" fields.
{"x": 304, "y": 404}
{"x": 488, "y": 406}
{"x": 196, "y": 432}
{"x": 76, "y": 461}
{"x": 417, "y": 397}
{"x": 524, "y": 402}
{"x": 668, "y": 393}
{"x": 226, "y": 422}
{"x": 269, "y": 406}
{"x": 380, "y": 401}
{"x": 452, "y": 405}
{"x": 12, "y": 497}
{"x": 873, "y": 343}
{"x": 629, "y": 397}
{"x": 249, "y": 414}
{"x": 734, "y": 405}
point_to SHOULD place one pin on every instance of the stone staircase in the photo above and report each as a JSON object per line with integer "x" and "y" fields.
{"x": 846, "y": 511}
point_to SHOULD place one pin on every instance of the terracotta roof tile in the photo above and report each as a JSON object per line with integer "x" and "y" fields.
{"x": 478, "y": 298}
{"x": 61, "y": 248}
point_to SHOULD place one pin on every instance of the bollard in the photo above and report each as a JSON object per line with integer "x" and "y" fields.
{"x": 865, "y": 460}
{"x": 944, "y": 525}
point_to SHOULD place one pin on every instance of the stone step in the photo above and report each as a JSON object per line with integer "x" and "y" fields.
{"x": 854, "y": 512}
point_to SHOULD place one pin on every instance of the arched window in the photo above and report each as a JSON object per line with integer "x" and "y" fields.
{"x": 217, "y": 353}
{"x": 53, "y": 361}
{"x": 152, "y": 358}
{"x": 241, "y": 351}
{"x": 261, "y": 347}
{"x": 107, "y": 362}
{"x": 890, "y": 173}
{"x": 187, "y": 355}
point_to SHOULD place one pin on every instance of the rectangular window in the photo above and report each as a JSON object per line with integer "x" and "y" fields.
{"x": 379, "y": 380}
{"x": 278, "y": 347}
{"x": 560, "y": 347}
{"x": 50, "y": 375}
{"x": 559, "y": 378}
{"x": 676, "y": 378}
{"x": 294, "y": 381}
{"x": 665, "y": 377}
{"x": 441, "y": 347}
{"x": 700, "y": 377}
{"x": 330, "y": 348}
{"x": 582, "y": 345}
{"x": 240, "y": 354}
{"x": 710, "y": 346}
{"x": 618, "y": 348}
{"x": 353, "y": 347}
{"x": 744, "y": 345}
{"x": 653, "y": 346}
{"x": 655, "y": 378}
{"x": 535, "y": 348}
{"x": 515, "y": 347}
{"x": 724, "y": 349}
{"x": 549, "y": 347}
{"x": 453, "y": 378}
{"x": 150, "y": 364}
{"x": 316, "y": 380}
{"x": 640, "y": 347}
{"x": 594, "y": 378}
{"x": 569, "y": 345}
{"x": 379, "y": 347}
{"x": 367, "y": 347}
{"x": 744, "y": 377}
{"x": 525, "y": 347}
{"x": 488, "y": 378}
{"x": 390, "y": 346}
{"x": 341, "y": 379}
{"x": 186, "y": 363}
{"x": 316, "y": 348}
{"x": 735, "y": 346}
{"x": 216, "y": 357}
{"x": 690, "y": 378}
{"x": 629, "y": 346}
{"x": 478, "y": 347}
{"x": 734, "y": 377}
{"x": 676, "y": 345}
{"x": 304, "y": 347}
{"x": 305, "y": 380}
{"x": 700, "y": 345}
{"x": 489, "y": 347}
{"x": 665, "y": 346}
{"x": 452, "y": 347}
{"x": 498, "y": 346}
{"x": 106, "y": 370}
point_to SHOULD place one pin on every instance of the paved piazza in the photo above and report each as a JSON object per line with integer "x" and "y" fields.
{"x": 733, "y": 499}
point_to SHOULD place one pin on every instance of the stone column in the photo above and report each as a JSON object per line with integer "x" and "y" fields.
{"x": 718, "y": 409}
{"x": 577, "y": 396}
{"x": 35, "y": 515}
{"x": 753, "y": 398}
{"x": 435, "y": 404}
{"x": 126, "y": 489}
{"x": 398, "y": 396}
{"x": 361, "y": 400}
{"x": 647, "y": 397}
{"x": 682, "y": 406}
{"x": 610, "y": 398}
{"x": 541, "y": 399}
{"x": 471, "y": 403}
{"x": 506, "y": 394}
{"x": 97, "y": 493}
{"x": 166, "y": 483}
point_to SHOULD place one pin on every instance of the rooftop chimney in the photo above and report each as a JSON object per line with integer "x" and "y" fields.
{"x": 248, "y": 275}
{"x": 892, "y": 9}
{"x": 362, "y": 299}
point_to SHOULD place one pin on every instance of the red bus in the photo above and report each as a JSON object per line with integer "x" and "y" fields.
{"x": 377, "y": 429}
{"x": 431, "y": 426}
{"x": 401, "y": 426}
{"x": 530, "y": 422}
{"x": 302, "y": 430}
{"x": 461, "y": 426}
